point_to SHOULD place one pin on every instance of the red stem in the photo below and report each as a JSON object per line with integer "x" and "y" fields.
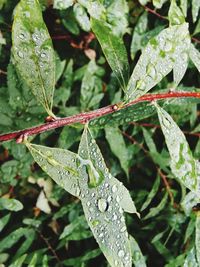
{"x": 84, "y": 117}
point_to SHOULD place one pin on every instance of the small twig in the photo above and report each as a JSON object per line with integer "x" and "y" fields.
{"x": 154, "y": 12}
{"x": 85, "y": 117}
{"x": 48, "y": 245}
{"x": 3, "y": 72}
{"x": 164, "y": 178}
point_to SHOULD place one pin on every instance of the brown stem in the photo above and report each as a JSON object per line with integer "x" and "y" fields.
{"x": 85, "y": 117}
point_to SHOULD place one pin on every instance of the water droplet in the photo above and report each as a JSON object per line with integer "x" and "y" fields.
{"x": 117, "y": 199}
{"x": 116, "y": 263}
{"x": 167, "y": 47}
{"x": 102, "y": 204}
{"x": 93, "y": 194}
{"x": 101, "y": 235}
{"x": 95, "y": 223}
{"x": 43, "y": 55}
{"x": 88, "y": 203}
{"x": 22, "y": 36}
{"x": 114, "y": 188}
{"x": 114, "y": 217}
{"x": 20, "y": 54}
{"x": 123, "y": 229}
{"x": 121, "y": 253}
{"x": 136, "y": 255}
{"x": 109, "y": 198}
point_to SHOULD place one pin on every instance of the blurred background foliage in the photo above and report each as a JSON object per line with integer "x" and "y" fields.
{"x": 50, "y": 229}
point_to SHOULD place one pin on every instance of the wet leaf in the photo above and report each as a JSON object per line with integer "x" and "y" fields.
{"x": 158, "y": 59}
{"x": 118, "y": 146}
{"x": 183, "y": 165}
{"x": 33, "y": 261}
{"x": 82, "y": 17}
{"x": 109, "y": 197}
{"x": 151, "y": 194}
{"x": 191, "y": 259}
{"x": 10, "y": 204}
{"x": 159, "y": 3}
{"x": 184, "y": 5}
{"x": 156, "y": 210}
{"x": 62, "y": 4}
{"x": 138, "y": 33}
{"x": 114, "y": 50}
{"x": 189, "y": 201}
{"x": 59, "y": 164}
{"x": 3, "y": 221}
{"x": 195, "y": 56}
{"x": 137, "y": 256}
{"x": 197, "y": 237}
{"x": 195, "y": 9}
{"x": 19, "y": 261}
{"x": 33, "y": 52}
{"x": 175, "y": 14}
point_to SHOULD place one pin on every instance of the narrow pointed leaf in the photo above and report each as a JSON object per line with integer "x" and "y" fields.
{"x": 159, "y": 3}
{"x": 151, "y": 194}
{"x": 62, "y": 4}
{"x": 138, "y": 258}
{"x": 158, "y": 59}
{"x": 33, "y": 52}
{"x": 184, "y": 5}
{"x": 114, "y": 50}
{"x": 118, "y": 146}
{"x": 195, "y": 56}
{"x": 195, "y": 9}
{"x": 82, "y": 17}
{"x": 183, "y": 165}
{"x": 104, "y": 198}
{"x": 10, "y": 204}
{"x": 191, "y": 259}
{"x": 19, "y": 262}
{"x": 59, "y": 164}
{"x": 138, "y": 33}
{"x": 197, "y": 237}
{"x": 175, "y": 14}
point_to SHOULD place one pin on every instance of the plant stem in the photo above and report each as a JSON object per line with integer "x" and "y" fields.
{"x": 87, "y": 116}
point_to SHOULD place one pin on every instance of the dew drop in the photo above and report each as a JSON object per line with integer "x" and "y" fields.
{"x": 123, "y": 229}
{"x": 117, "y": 199}
{"x": 121, "y": 253}
{"x": 20, "y": 54}
{"x": 102, "y": 205}
{"x": 22, "y": 36}
{"x": 114, "y": 188}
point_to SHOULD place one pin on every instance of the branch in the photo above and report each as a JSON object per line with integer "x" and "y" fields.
{"x": 87, "y": 116}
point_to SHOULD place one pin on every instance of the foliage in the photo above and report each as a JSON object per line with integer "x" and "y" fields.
{"x": 131, "y": 173}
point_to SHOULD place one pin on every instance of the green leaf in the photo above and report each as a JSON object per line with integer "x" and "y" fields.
{"x": 159, "y": 3}
{"x": 159, "y": 57}
{"x": 195, "y": 56}
{"x": 82, "y": 17}
{"x": 3, "y": 221}
{"x": 113, "y": 49}
{"x": 184, "y": 5}
{"x": 117, "y": 16}
{"x": 183, "y": 165}
{"x": 33, "y": 261}
{"x": 10, "y": 204}
{"x": 191, "y": 259}
{"x": 11, "y": 239}
{"x": 156, "y": 210}
{"x": 137, "y": 256}
{"x": 175, "y": 14}
{"x": 118, "y": 147}
{"x": 195, "y": 9}
{"x": 19, "y": 261}
{"x": 189, "y": 201}
{"x": 33, "y": 52}
{"x": 124, "y": 116}
{"x": 138, "y": 33}
{"x": 151, "y": 194}
{"x": 59, "y": 164}
{"x": 62, "y": 4}
{"x": 109, "y": 197}
{"x": 197, "y": 237}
